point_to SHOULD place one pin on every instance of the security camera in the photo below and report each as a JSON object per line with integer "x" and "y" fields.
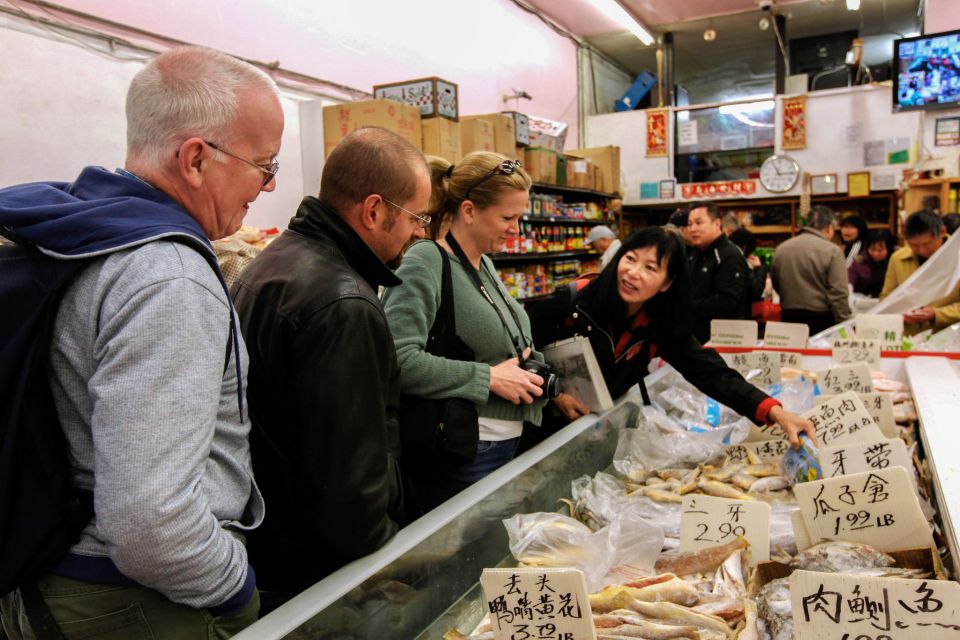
{"x": 765, "y": 5}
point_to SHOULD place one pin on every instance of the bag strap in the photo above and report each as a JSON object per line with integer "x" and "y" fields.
{"x": 473, "y": 275}
{"x": 446, "y": 312}
{"x": 38, "y": 613}
{"x": 645, "y": 356}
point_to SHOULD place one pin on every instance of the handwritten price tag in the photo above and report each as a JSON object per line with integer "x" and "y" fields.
{"x": 538, "y": 603}
{"x": 850, "y": 377}
{"x": 766, "y": 450}
{"x": 878, "y": 405}
{"x": 879, "y": 508}
{"x": 759, "y": 368}
{"x": 843, "y": 419}
{"x": 706, "y": 521}
{"x": 885, "y": 327}
{"x": 733, "y": 333}
{"x": 832, "y": 606}
{"x": 853, "y": 351}
{"x": 864, "y": 456}
{"x": 786, "y": 335}
{"x": 787, "y": 358}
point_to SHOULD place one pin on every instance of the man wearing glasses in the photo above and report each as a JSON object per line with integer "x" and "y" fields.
{"x": 146, "y": 367}
{"x": 324, "y": 378}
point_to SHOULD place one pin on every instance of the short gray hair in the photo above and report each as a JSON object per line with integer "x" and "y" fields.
{"x": 821, "y": 217}
{"x": 185, "y": 92}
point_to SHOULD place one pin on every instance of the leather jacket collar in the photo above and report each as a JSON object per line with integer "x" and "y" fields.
{"x": 316, "y": 219}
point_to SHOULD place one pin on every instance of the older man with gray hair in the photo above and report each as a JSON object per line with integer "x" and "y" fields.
{"x": 604, "y": 241}
{"x": 810, "y": 274}
{"x": 146, "y": 364}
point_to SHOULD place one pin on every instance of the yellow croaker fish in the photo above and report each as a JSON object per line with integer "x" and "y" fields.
{"x": 661, "y": 495}
{"x": 744, "y": 480}
{"x": 729, "y": 609}
{"x": 638, "y": 475}
{"x": 624, "y": 623}
{"x": 701, "y": 561}
{"x": 770, "y": 483}
{"x": 750, "y": 630}
{"x": 689, "y": 482}
{"x": 725, "y": 472}
{"x": 676, "y": 614}
{"x": 672, "y": 590}
{"x": 762, "y": 470}
{"x": 721, "y": 490}
{"x": 675, "y": 472}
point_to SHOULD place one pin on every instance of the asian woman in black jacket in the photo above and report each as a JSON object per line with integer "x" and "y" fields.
{"x": 639, "y": 308}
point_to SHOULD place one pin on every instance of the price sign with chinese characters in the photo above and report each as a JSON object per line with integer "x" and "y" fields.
{"x": 843, "y": 419}
{"x": 706, "y": 521}
{"x": 849, "y": 377}
{"x": 787, "y": 358}
{"x": 885, "y": 327}
{"x": 766, "y": 450}
{"x": 733, "y": 333}
{"x": 760, "y": 368}
{"x": 834, "y": 606}
{"x": 538, "y": 604}
{"x": 845, "y": 459}
{"x": 879, "y": 406}
{"x": 786, "y": 335}
{"x": 858, "y": 350}
{"x": 879, "y": 508}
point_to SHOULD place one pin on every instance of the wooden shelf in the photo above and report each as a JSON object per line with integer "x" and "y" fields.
{"x": 770, "y": 229}
{"x": 528, "y": 258}
{"x": 543, "y": 186}
{"x": 563, "y": 220}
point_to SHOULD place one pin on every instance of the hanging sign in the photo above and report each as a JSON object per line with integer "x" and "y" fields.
{"x": 794, "y": 123}
{"x": 725, "y": 188}
{"x": 538, "y": 603}
{"x": 657, "y": 120}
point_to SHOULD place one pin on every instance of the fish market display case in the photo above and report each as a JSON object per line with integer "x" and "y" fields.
{"x": 426, "y": 580}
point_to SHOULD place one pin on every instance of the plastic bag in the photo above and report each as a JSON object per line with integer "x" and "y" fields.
{"x": 554, "y": 540}
{"x": 796, "y": 396}
{"x": 945, "y": 340}
{"x": 803, "y": 464}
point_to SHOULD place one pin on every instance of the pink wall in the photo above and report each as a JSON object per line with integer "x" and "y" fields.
{"x": 489, "y": 48}
{"x": 941, "y": 15}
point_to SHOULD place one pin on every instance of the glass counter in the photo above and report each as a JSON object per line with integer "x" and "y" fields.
{"x": 426, "y": 580}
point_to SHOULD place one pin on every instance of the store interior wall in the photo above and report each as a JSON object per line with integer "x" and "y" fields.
{"x": 602, "y": 83}
{"x": 63, "y": 103}
{"x": 941, "y": 15}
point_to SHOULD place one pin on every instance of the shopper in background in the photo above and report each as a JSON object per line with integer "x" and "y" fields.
{"x": 925, "y": 234}
{"x": 604, "y": 241}
{"x": 146, "y": 369}
{"x": 757, "y": 277}
{"x": 810, "y": 275}
{"x": 951, "y": 222}
{"x": 718, "y": 272}
{"x": 679, "y": 219}
{"x": 324, "y": 378}
{"x": 637, "y": 310}
{"x": 868, "y": 271}
{"x": 484, "y": 196}
{"x": 729, "y": 223}
{"x": 853, "y": 235}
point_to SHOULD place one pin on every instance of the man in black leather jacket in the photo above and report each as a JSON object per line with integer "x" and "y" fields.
{"x": 324, "y": 379}
{"x": 718, "y": 272}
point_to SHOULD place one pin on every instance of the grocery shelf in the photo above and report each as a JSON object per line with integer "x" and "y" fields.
{"x": 770, "y": 229}
{"x": 525, "y": 258}
{"x": 563, "y": 220}
{"x": 556, "y": 188}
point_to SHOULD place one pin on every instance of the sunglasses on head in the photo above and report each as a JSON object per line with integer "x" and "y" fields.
{"x": 507, "y": 168}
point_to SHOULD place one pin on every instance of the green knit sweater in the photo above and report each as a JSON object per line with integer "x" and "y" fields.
{"x": 411, "y": 309}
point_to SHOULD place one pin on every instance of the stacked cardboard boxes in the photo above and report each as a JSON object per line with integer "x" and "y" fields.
{"x": 341, "y": 119}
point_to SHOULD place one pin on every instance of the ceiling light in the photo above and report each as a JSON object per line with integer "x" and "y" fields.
{"x": 709, "y": 35}
{"x": 613, "y": 10}
{"x": 853, "y": 5}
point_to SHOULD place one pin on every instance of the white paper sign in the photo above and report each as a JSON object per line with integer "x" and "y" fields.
{"x": 539, "y": 602}
{"x": 843, "y": 419}
{"x": 856, "y": 350}
{"x": 760, "y": 368}
{"x": 687, "y": 133}
{"x": 845, "y": 459}
{"x": 879, "y": 508}
{"x": 733, "y": 333}
{"x": 879, "y": 406}
{"x": 799, "y": 530}
{"x": 786, "y": 335}
{"x": 788, "y": 358}
{"x": 835, "y": 606}
{"x": 848, "y": 377}
{"x": 765, "y": 450}
{"x": 706, "y": 521}
{"x": 885, "y": 327}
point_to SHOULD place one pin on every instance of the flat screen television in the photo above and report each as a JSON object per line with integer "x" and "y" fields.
{"x": 927, "y": 72}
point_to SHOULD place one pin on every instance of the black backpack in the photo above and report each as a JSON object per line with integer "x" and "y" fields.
{"x": 41, "y": 516}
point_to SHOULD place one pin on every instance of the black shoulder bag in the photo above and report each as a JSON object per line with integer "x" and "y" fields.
{"x": 444, "y": 430}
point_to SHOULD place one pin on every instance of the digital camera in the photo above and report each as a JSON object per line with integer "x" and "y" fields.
{"x": 551, "y": 381}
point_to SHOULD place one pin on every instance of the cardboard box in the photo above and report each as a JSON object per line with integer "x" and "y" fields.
{"x": 549, "y": 134}
{"x": 341, "y": 119}
{"x": 582, "y": 173}
{"x": 433, "y": 96}
{"x": 441, "y": 137}
{"x": 476, "y": 135}
{"x": 608, "y": 160}
{"x": 541, "y": 165}
{"x": 522, "y": 127}
{"x": 504, "y": 133}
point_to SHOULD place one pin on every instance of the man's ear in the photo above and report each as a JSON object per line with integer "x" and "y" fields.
{"x": 192, "y": 161}
{"x": 370, "y": 214}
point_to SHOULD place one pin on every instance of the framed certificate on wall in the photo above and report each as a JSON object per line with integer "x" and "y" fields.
{"x": 823, "y": 183}
{"x": 858, "y": 184}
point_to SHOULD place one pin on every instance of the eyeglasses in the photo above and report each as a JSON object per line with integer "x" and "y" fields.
{"x": 424, "y": 220}
{"x": 269, "y": 173}
{"x": 507, "y": 168}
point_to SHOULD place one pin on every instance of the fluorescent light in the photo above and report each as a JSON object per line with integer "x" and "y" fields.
{"x": 853, "y": 5}
{"x": 613, "y": 10}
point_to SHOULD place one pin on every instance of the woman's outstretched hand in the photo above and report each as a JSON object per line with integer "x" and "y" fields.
{"x": 793, "y": 425}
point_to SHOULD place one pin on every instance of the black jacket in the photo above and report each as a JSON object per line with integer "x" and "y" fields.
{"x": 323, "y": 394}
{"x": 718, "y": 276}
{"x": 623, "y": 358}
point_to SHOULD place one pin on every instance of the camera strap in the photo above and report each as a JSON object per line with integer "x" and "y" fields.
{"x": 475, "y": 277}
